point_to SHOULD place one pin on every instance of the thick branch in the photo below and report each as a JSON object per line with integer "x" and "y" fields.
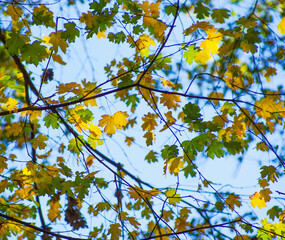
{"x": 39, "y": 229}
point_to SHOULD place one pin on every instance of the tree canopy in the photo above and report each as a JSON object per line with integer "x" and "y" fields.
{"x": 113, "y": 111}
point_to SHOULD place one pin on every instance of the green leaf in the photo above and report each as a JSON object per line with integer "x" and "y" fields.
{"x": 71, "y": 32}
{"x": 117, "y": 38}
{"x": 169, "y": 152}
{"x": 274, "y": 212}
{"x": 189, "y": 54}
{"x": 215, "y": 148}
{"x": 51, "y": 120}
{"x": 189, "y": 170}
{"x": 34, "y": 53}
{"x": 15, "y": 43}
{"x": 192, "y": 112}
{"x": 201, "y": 11}
{"x": 219, "y": 15}
{"x": 171, "y": 9}
{"x": 151, "y": 157}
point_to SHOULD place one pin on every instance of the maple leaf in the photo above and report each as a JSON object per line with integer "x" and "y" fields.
{"x": 57, "y": 41}
{"x": 39, "y": 141}
{"x": 233, "y": 200}
{"x": 212, "y": 41}
{"x": 281, "y": 26}
{"x": 12, "y": 104}
{"x": 175, "y": 165}
{"x": 167, "y": 83}
{"x": 138, "y": 193}
{"x": 201, "y": 10}
{"x": 129, "y": 140}
{"x": 190, "y": 54}
{"x": 143, "y": 44}
{"x": 151, "y": 156}
{"x": 274, "y": 212}
{"x": 101, "y": 34}
{"x": 111, "y": 123}
{"x": 257, "y": 201}
{"x": 219, "y": 15}
{"x": 173, "y": 197}
{"x": 54, "y": 211}
{"x": 170, "y": 100}
{"x": 217, "y": 95}
{"x": 150, "y": 138}
{"x": 149, "y": 121}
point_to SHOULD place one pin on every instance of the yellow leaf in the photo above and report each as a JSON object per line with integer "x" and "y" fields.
{"x": 54, "y": 211}
{"x": 111, "y": 123}
{"x": 101, "y": 34}
{"x": 212, "y": 41}
{"x": 172, "y": 196}
{"x": 257, "y": 201}
{"x": 149, "y": 122}
{"x": 202, "y": 57}
{"x": 234, "y": 79}
{"x": 34, "y": 115}
{"x": 217, "y": 95}
{"x": 150, "y": 138}
{"x": 175, "y": 165}
{"x": 120, "y": 119}
{"x": 129, "y": 140}
{"x": 281, "y": 26}
{"x": 143, "y": 44}
{"x": 12, "y": 104}
{"x": 139, "y": 194}
{"x": 170, "y": 100}
{"x": 167, "y": 83}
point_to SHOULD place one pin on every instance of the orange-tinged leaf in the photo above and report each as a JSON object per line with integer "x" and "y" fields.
{"x": 281, "y": 26}
{"x": 170, "y": 100}
{"x": 262, "y": 146}
{"x": 129, "y": 140}
{"x": 14, "y": 11}
{"x": 57, "y": 58}
{"x": 89, "y": 160}
{"x": 265, "y": 194}
{"x": 149, "y": 122}
{"x": 257, "y": 201}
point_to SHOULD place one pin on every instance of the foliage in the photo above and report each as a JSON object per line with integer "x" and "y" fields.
{"x": 189, "y": 81}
